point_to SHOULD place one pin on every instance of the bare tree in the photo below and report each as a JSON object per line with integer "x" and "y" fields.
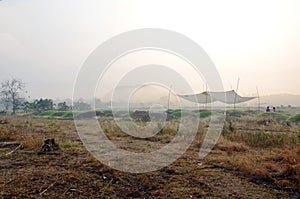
{"x": 10, "y": 93}
{"x": 5, "y": 100}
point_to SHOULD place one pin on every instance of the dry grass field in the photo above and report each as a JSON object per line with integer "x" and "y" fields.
{"x": 255, "y": 157}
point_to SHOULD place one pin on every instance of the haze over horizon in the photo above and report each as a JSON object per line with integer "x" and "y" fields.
{"x": 45, "y": 43}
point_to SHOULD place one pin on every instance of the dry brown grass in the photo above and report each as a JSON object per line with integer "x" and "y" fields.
{"x": 269, "y": 153}
{"x": 247, "y": 151}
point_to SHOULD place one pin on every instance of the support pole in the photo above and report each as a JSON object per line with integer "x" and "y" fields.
{"x": 258, "y": 97}
{"x": 206, "y": 97}
{"x": 169, "y": 97}
{"x": 237, "y": 87}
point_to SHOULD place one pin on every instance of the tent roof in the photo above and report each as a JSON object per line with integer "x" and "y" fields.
{"x": 228, "y": 97}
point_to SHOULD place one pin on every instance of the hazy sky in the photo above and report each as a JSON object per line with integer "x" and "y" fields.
{"x": 44, "y": 43}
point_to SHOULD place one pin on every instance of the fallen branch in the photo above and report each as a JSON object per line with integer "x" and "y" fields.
{"x": 66, "y": 191}
{"x": 8, "y": 144}
{"x": 103, "y": 190}
{"x": 9, "y": 153}
{"x": 51, "y": 185}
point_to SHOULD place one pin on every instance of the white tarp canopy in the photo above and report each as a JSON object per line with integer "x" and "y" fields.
{"x": 228, "y": 97}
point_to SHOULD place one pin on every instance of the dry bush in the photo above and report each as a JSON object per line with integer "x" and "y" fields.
{"x": 31, "y": 142}
{"x": 6, "y": 134}
{"x": 246, "y": 165}
{"x": 261, "y": 139}
{"x": 230, "y": 147}
{"x": 280, "y": 167}
{"x": 30, "y": 135}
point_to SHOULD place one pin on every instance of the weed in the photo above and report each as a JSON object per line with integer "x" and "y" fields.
{"x": 69, "y": 144}
{"x": 32, "y": 142}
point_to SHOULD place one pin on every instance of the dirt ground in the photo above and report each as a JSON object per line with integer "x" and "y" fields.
{"x": 71, "y": 172}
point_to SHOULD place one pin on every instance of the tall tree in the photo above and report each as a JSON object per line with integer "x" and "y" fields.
{"x": 11, "y": 93}
{"x": 43, "y": 105}
{"x": 81, "y": 106}
{"x": 5, "y": 100}
{"x": 62, "y": 106}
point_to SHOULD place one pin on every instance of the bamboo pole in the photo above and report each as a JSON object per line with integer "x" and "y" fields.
{"x": 206, "y": 97}
{"x": 169, "y": 96}
{"x": 237, "y": 87}
{"x": 258, "y": 97}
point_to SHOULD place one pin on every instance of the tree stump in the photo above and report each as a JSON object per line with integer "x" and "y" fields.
{"x": 49, "y": 147}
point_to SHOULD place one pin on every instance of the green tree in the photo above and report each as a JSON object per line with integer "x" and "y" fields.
{"x": 38, "y": 106}
{"x": 81, "y": 106}
{"x": 43, "y": 105}
{"x": 62, "y": 106}
{"x": 26, "y": 106}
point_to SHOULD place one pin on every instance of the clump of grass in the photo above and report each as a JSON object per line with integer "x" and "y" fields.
{"x": 6, "y": 134}
{"x": 53, "y": 126}
{"x": 69, "y": 144}
{"x": 228, "y": 128}
{"x": 31, "y": 142}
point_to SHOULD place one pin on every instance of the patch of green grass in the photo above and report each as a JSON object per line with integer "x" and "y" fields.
{"x": 107, "y": 112}
{"x": 71, "y": 114}
{"x": 58, "y": 114}
{"x": 275, "y": 116}
{"x": 295, "y": 118}
{"x": 205, "y": 114}
{"x": 46, "y": 114}
{"x": 235, "y": 113}
{"x": 182, "y": 113}
{"x": 67, "y": 115}
{"x": 69, "y": 144}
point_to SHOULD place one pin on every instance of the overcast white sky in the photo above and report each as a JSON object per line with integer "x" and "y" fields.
{"x": 44, "y": 43}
